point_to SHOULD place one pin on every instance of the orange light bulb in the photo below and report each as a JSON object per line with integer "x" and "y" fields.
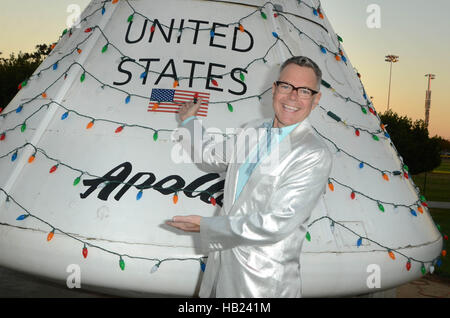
{"x": 50, "y": 235}
{"x": 331, "y": 186}
{"x": 391, "y": 255}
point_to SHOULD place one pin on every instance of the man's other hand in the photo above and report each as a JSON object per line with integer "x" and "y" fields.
{"x": 189, "y": 223}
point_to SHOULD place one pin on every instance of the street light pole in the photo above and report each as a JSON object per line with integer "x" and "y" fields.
{"x": 392, "y": 59}
{"x": 428, "y": 98}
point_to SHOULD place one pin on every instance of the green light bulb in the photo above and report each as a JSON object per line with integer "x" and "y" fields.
{"x": 122, "y": 264}
{"x": 308, "y": 236}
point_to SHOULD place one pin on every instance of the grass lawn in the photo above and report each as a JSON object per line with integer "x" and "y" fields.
{"x": 442, "y": 217}
{"x": 444, "y": 167}
{"x": 437, "y": 186}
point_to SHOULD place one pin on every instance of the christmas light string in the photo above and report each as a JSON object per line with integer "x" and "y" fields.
{"x": 129, "y": 95}
{"x": 361, "y": 162}
{"x": 417, "y": 204}
{"x": 348, "y": 99}
{"x": 259, "y": 96}
{"x": 122, "y": 125}
{"x": 359, "y": 129}
{"x": 108, "y": 42}
{"x": 202, "y": 264}
{"x": 69, "y": 31}
{"x": 88, "y": 30}
{"x": 15, "y": 154}
{"x": 263, "y": 58}
{"x": 92, "y": 119}
{"x": 322, "y": 48}
{"x": 54, "y": 228}
{"x": 201, "y": 259}
{"x": 180, "y": 30}
{"x": 123, "y": 56}
{"x": 181, "y": 78}
{"x": 411, "y": 207}
{"x": 437, "y": 261}
{"x": 156, "y": 131}
{"x": 103, "y": 85}
{"x": 54, "y": 66}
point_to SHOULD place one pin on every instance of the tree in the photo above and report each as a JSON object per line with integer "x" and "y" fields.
{"x": 14, "y": 70}
{"x": 411, "y": 140}
{"x": 444, "y": 144}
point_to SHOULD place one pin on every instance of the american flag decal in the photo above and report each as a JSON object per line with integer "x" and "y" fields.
{"x": 169, "y": 100}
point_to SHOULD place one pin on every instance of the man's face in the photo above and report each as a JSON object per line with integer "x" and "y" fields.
{"x": 289, "y": 108}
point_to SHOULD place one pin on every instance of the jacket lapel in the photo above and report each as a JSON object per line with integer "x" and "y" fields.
{"x": 233, "y": 170}
{"x": 267, "y": 165}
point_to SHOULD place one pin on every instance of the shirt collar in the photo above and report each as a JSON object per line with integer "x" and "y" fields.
{"x": 282, "y": 130}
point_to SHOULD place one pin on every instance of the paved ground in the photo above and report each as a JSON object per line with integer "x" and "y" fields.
{"x": 427, "y": 287}
{"x": 438, "y": 205}
{"x": 18, "y": 285}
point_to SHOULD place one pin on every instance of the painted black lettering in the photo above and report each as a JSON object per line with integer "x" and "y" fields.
{"x": 145, "y": 185}
{"x": 197, "y": 27}
{"x": 121, "y": 70}
{"x": 234, "y": 73}
{"x": 211, "y": 76}
{"x": 147, "y": 68}
{"x": 219, "y": 199}
{"x": 177, "y": 186}
{"x": 216, "y": 34}
{"x": 112, "y": 181}
{"x": 235, "y": 36}
{"x": 193, "y": 63}
{"x": 163, "y": 73}
{"x": 162, "y": 28}
{"x": 180, "y": 28}
{"x": 191, "y": 189}
{"x": 205, "y": 197}
{"x": 127, "y": 36}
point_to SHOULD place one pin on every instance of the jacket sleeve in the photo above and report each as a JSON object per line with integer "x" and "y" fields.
{"x": 289, "y": 207}
{"x": 211, "y": 152}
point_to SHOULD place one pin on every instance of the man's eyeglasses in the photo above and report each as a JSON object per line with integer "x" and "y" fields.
{"x": 302, "y": 92}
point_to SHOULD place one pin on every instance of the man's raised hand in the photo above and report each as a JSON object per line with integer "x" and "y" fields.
{"x": 189, "y": 109}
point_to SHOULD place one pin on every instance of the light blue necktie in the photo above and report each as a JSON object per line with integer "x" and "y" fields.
{"x": 260, "y": 153}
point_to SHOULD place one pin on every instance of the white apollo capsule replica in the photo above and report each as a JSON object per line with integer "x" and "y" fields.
{"x": 90, "y": 169}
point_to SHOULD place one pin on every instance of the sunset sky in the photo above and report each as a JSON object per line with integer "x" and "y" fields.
{"x": 418, "y": 31}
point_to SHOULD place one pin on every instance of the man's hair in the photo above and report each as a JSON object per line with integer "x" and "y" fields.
{"x": 304, "y": 62}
